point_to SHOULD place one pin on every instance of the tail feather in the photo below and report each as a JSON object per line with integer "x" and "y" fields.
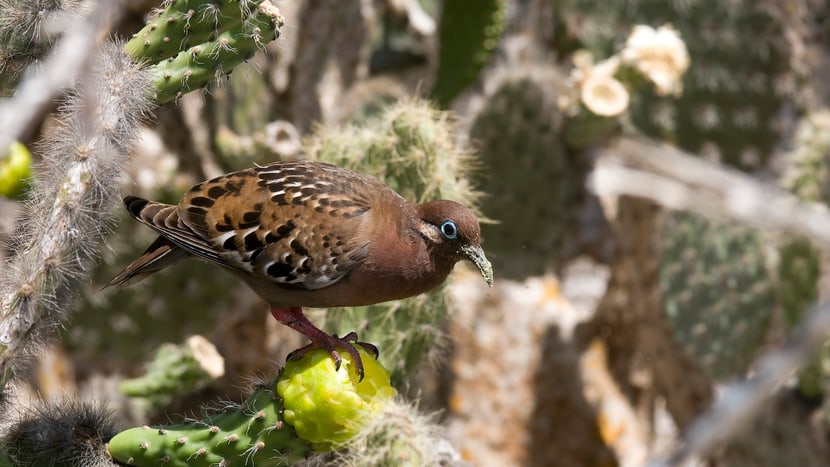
{"x": 160, "y": 254}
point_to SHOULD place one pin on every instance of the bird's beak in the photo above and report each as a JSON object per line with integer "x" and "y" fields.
{"x": 476, "y": 256}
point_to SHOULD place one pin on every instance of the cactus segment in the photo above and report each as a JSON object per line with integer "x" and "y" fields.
{"x": 184, "y": 24}
{"x": 197, "y": 66}
{"x": 177, "y": 370}
{"x": 253, "y": 433}
{"x": 469, "y": 32}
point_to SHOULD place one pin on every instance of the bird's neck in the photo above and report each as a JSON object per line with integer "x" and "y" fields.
{"x": 407, "y": 262}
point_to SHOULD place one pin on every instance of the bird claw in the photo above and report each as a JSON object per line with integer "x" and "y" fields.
{"x": 367, "y": 346}
{"x": 331, "y": 343}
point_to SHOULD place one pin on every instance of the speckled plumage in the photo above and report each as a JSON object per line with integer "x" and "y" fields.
{"x": 310, "y": 234}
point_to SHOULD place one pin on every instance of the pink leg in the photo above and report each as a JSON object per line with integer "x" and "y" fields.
{"x": 294, "y": 318}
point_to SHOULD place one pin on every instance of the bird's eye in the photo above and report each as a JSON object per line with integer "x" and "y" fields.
{"x": 449, "y": 230}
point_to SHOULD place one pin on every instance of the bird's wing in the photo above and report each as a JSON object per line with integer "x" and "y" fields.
{"x": 165, "y": 219}
{"x": 295, "y": 223}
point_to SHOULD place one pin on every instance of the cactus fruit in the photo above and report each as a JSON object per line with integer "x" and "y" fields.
{"x": 536, "y": 187}
{"x": 176, "y": 370}
{"x": 329, "y": 406}
{"x": 15, "y": 171}
{"x": 717, "y": 291}
{"x": 468, "y": 34}
{"x": 187, "y": 64}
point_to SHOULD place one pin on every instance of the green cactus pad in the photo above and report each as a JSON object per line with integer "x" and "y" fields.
{"x": 717, "y": 291}
{"x": 203, "y": 63}
{"x": 410, "y": 146}
{"x": 519, "y": 138}
{"x": 254, "y": 433}
{"x": 469, "y": 32}
{"x": 184, "y": 24}
{"x": 192, "y": 43}
{"x": 326, "y": 406}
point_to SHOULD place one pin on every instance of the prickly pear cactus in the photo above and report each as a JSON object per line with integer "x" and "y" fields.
{"x": 737, "y": 84}
{"x": 807, "y": 176}
{"x": 717, "y": 291}
{"x": 534, "y": 186}
{"x": 468, "y": 34}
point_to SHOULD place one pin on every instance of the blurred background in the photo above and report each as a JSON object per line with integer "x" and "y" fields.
{"x": 611, "y": 324}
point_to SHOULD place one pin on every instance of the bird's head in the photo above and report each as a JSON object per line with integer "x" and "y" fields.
{"x": 453, "y": 234}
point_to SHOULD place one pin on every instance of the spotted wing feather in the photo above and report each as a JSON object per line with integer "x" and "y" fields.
{"x": 165, "y": 219}
{"x": 295, "y": 223}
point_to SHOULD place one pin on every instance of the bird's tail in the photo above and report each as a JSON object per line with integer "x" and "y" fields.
{"x": 160, "y": 254}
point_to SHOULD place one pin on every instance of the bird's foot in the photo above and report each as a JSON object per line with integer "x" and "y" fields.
{"x": 332, "y": 343}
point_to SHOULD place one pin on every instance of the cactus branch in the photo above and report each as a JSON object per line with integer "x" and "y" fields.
{"x": 75, "y": 187}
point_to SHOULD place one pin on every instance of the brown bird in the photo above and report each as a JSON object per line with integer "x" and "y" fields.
{"x": 311, "y": 234}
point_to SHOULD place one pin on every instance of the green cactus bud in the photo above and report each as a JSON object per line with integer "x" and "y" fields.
{"x": 328, "y": 406}
{"x": 15, "y": 171}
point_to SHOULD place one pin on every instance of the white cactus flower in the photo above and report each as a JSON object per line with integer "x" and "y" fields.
{"x": 604, "y": 95}
{"x": 659, "y": 54}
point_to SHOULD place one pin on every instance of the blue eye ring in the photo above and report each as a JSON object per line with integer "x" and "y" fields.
{"x": 449, "y": 230}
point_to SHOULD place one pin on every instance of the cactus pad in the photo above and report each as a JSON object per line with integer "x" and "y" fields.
{"x": 717, "y": 291}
